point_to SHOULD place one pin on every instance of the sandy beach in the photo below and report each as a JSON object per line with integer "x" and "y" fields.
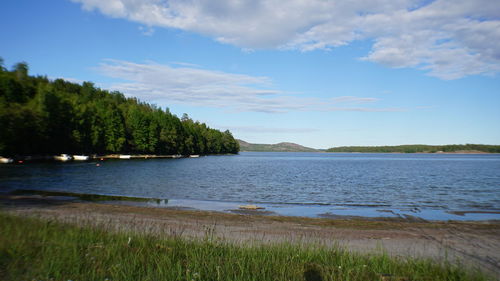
{"x": 474, "y": 244}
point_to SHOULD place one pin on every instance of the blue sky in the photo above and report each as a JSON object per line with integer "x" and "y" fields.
{"x": 318, "y": 73}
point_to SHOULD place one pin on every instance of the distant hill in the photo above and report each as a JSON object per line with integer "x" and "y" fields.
{"x": 279, "y": 147}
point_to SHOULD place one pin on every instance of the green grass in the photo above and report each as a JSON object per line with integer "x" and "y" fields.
{"x": 35, "y": 249}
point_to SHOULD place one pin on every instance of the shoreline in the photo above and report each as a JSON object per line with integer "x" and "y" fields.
{"x": 293, "y": 209}
{"x": 451, "y": 152}
{"x": 97, "y": 157}
{"x": 22, "y": 159}
{"x": 334, "y": 152}
{"x": 474, "y": 243}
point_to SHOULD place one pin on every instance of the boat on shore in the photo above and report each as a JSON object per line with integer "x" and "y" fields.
{"x": 124, "y": 156}
{"x": 194, "y": 156}
{"x": 63, "y": 157}
{"x": 80, "y": 157}
{"x": 5, "y": 160}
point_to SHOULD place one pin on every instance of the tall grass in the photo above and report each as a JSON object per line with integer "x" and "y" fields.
{"x": 34, "y": 249}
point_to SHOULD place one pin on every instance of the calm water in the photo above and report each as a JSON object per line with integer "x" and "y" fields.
{"x": 430, "y": 186}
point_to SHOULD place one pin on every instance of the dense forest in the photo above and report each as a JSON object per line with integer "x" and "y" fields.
{"x": 416, "y": 148}
{"x": 40, "y": 116}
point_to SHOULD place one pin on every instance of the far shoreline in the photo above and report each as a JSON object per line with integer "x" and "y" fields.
{"x": 355, "y": 152}
{"x": 19, "y": 159}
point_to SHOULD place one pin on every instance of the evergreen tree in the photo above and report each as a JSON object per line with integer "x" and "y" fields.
{"x": 38, "y": 116}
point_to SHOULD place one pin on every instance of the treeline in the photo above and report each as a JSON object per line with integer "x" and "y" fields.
{"x": 416, "y": 148}
{"x": 40, "y": 116}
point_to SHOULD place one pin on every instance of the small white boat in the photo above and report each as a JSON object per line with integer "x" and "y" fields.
{"x": 63, "y": 157}
{"x": 5, "y": 160}
{"x": 80, "y": 157}
{"x": 194, "y": 156}
{"x": 124, "y": 156}
{"x": 176, "y": 156}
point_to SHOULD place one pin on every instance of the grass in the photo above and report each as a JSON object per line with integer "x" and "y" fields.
{"x": 35, "y": 249}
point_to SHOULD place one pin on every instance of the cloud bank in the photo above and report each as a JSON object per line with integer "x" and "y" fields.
{"x": 270, "y": 130}
{"x": 449, "y": 39}
{"x": 190, "y": 85}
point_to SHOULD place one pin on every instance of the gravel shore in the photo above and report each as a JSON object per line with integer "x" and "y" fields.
{"x": 474, "y": 244}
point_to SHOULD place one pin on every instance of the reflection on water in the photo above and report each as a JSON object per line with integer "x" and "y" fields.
{"x": 431, "y": 186}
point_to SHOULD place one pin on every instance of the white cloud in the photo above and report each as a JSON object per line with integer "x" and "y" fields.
{"x": 269, "y": 130}
{"x": 69, "y": 79}
{"x": 448, "y": 38}
{"x": 146, "y": 30}
{"x": 179, "y": 84}
{"x": 351, "y": 99}
{"x": 451, "y": 39}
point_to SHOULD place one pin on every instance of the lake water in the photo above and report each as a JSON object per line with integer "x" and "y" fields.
{"x": 429, "y": 186}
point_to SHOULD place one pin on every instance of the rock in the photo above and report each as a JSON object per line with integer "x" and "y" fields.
{"x": 250, "y": 207}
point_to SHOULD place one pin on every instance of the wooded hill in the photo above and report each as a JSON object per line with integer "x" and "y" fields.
{"x": 420, "y": 148}
{"x": 40, "y": 116}
{"x": 279, "y": 147}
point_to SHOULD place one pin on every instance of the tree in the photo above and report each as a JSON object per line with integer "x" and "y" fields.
{"x": 21, "y": 70}
{"x": 114, "y": 133}
{"x": 38, "y": 116}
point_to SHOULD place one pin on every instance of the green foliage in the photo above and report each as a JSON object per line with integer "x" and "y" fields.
{"x": 38, "y": 116}
{"x": 32, "y": 249}
{"x": 419, "y": 148}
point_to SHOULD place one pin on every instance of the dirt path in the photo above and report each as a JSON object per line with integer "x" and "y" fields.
{"x": 475, "y": 244}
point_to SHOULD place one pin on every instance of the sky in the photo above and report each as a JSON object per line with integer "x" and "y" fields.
{"x": 319, "y": 73}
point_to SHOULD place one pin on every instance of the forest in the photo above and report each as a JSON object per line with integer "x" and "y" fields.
{"x": 418, "y": 148}
{"x": 39, "y": 116}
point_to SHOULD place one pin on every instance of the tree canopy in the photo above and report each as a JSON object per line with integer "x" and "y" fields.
{"x": 40, "y": 116}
